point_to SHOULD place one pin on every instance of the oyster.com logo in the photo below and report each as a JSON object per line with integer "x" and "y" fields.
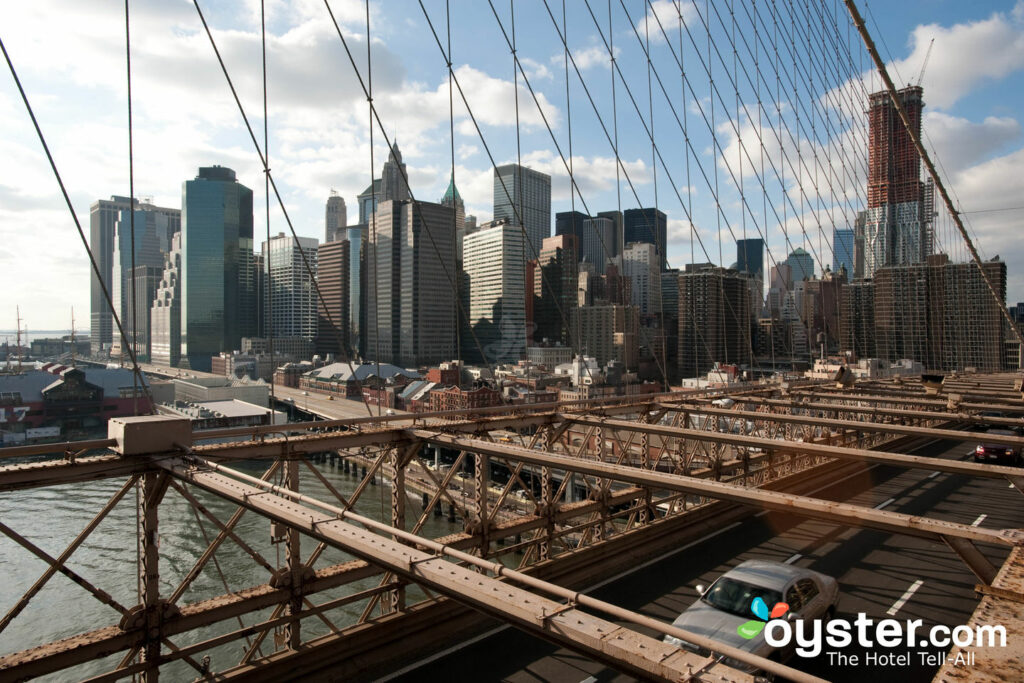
{"x": 751, "y": 628}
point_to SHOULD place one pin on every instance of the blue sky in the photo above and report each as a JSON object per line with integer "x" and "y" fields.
{"x": 70, "y": 57}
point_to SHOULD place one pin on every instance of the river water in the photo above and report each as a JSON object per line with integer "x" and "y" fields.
{"x": 51, "y": 517}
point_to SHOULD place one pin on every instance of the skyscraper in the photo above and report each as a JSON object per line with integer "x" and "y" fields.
{"x": 750, "y": 257}
{"x": 453, "y": 200}
{"x": 842, "y": 250}
{"x": 289, "y": 293}
{"x": 165, "y": 313}
{"x": 103, "y": 214}
{"x": 597, "y": 242}
{"x": 410, "y": 300}
{"x": 333, "y": 316}
{"x": 555, "y": 279}
{"x": 494, "y": 267}
{"x": 217, "y": 274}
{"x": 647, "y": 225}
{"x": 336, "y": 217}
{"x": 391, "y": 185}
{"x": 641, "y": 264}
{"x": 801, "y": 265}
{"x": 522, "y": 196}
{"x": 897, "y": 227}
{"x": 154, "y": 227}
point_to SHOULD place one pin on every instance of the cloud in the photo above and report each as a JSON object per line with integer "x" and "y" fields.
{"x": 960, "y": 143}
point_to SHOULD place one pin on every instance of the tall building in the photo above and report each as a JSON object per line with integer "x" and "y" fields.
{"x": 165, "y": 313}
{"x": 289, "y": 291}
{"x": 714, "y": 319}
{"x": 897, "y": 226}
{"x": 357, "y": 241}
{"x": 842, "y": 250}
{"x": 391, "y": 186}
{"x": 641, "y": 264}
{"x": 618, "y": 223}
{"x": 522, "y": 196}
{"x": 154, "y": 227}
{"x": 218, "y": 298}
{"x": 647, "y": 225}
{"x": 103, "y": 215}
{"x": 941, "y": 314}
{"x": 335, "y": 217}
{"x": 453, "y": 200}
{"x": 750, "y": 257}
{"x": 333, "y": 314}
{"x": 494, "y": 258}
{"x": 555, "y": 279}
{"x": 147, "y": 281}
{"x": 801, "y": 265}
{"x": 410, "y": 302}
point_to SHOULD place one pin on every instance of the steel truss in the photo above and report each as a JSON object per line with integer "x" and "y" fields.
{"x": 587, "y": 492}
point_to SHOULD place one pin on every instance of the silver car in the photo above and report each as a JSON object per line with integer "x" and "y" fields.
{"x": 734, "y": 608}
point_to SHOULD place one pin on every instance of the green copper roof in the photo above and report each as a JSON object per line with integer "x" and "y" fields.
{"x": 451, "y": 195}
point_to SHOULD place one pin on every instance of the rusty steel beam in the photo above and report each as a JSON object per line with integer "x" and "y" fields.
{"x": 881, "y": 427}
{"x": 969, "y": 418}
{"x": 558, "y": 622}
{"x": 808, "y": 448}
{"x": 837, "y": 513}
{"x": 51, "y": 472}
{"x": 846, "y": 395}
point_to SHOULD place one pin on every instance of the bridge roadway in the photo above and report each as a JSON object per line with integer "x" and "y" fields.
{"x": 877, "y": 574}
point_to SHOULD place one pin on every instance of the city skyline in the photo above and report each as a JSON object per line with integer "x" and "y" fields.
{"x": 978, "y": 143}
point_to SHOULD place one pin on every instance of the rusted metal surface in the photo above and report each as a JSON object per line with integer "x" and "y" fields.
{"x": 994, "y": 664}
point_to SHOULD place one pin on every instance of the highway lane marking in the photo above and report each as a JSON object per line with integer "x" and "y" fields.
{"x": 793, "y": 558}
{"x": 885, "y": 503}
{"x": 444, "y": 653}
{"x": 979, "y": 520}
{"x": 934, "y": 474}
{"x": 906, "y": 596}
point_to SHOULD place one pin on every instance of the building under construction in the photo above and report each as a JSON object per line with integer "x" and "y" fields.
{"x": 897, "y": 226}
{"x": 941, "y": 314}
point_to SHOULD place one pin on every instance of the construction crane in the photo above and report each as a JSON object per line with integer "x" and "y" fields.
{"x": 924, "y": 64}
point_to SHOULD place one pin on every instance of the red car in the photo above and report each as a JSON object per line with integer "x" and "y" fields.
{"x": 998, "y": 454}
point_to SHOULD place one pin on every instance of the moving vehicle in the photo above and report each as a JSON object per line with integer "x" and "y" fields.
{"x": 997, "y": 454}
{"x": 750, "y": 593}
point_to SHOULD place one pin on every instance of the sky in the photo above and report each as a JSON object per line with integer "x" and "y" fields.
{"x": 769, "y": 142}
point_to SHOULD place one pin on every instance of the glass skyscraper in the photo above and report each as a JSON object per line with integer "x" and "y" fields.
{"x": 218, "y": 304}
{"x": 522, "y": 196}
{"x": 842, "y": 250}
{"x": 647, "y": 225}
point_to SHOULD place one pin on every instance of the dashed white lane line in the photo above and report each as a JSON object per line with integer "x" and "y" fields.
{"x": 934, "y": 474}
{"x": 885, "y": 503}
{"x": 793, "y": 558}
{"x": 903, "y": 599}
{"x": 979, "y": 520}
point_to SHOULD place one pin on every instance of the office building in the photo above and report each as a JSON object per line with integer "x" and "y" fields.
{"x": 154, "y": 227}
{"x": 290, "y": 292}
{"x": 522, "y": 196}
{"x": 609, "y": 332}
{"x": 843, "y": 240}
{"x": 857, "y": 320}
{"x": 333, "y": 315}
{"x": 750, "y": 257}
{"x": 453, "y": 200}
{"x": 218, "y": 298}
{"x": 647, "y": 225}
{"x": 391, "y": 186}
{"x": 641, "y": 264}
{"x": 335, "y": 217}
{"x": 410, "y": 293}
{"x": 555, "y": 279}
{"x": 801, "y": 266}
{"x": 493, "y": 264}
{"x": 165, "y": 313}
